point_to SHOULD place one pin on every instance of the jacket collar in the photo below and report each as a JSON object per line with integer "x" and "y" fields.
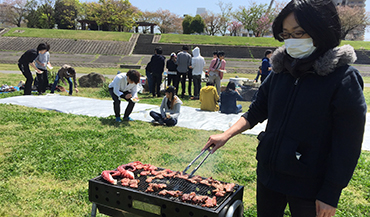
{"x": 323, "y": 65}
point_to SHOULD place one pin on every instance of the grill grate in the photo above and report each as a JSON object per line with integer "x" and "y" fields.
{"x": 174, "y": 184}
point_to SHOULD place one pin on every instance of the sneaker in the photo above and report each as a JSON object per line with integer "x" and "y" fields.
{"x": 128, "y": 119}
{"x": 118, "y": 119}
{"x": 161, "y": 122}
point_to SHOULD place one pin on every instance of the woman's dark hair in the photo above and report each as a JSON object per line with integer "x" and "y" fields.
{"x": 230, "y": 86}
{"x": 47, "y": 46}
{"x": 215, "y": 52}
{"x": 171, "y": 102}
{"x": 319, "y": 18}
{"x": 185, "y": 47}
{"x": 158, "y": 50}
{"x": 210, "y": 83}
{"x": 133, "y": 75}
{"x": 42, "y": 46}
{"x": 267, "y": 52}
{"x": 220, "y": 54}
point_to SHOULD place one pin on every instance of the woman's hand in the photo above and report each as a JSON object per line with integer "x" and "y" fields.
{"x": 76, "y": 90}
{"x": 324, "y": 210}
{"x": 128, "y": 96}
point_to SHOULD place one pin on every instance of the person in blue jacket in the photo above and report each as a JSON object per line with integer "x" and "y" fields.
{"x": 266, "y": 66}
{"x": 228, "y": 100}
{"x": 315, "y": 110}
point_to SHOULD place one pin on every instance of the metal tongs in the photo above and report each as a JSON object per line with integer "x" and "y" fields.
{"x": 196, "y": 168}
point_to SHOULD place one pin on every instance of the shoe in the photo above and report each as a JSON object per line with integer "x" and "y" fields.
{"x": 128, "y": 119}
{"x": 182, "y": 96}
{"x": 118, "y": 119}
{"x": 161, "y": 122}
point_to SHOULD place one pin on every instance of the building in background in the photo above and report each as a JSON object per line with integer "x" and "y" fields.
{"x": 201, "y": 11}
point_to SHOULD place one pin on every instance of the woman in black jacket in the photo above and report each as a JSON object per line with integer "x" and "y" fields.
{"x": 316, "y": 111}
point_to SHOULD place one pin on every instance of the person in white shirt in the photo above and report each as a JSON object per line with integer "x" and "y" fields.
{"x": 124, "y": 86}
{"x": 197, "y": 64}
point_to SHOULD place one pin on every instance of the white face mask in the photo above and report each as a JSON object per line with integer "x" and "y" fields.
{"x": 299, "y": 47}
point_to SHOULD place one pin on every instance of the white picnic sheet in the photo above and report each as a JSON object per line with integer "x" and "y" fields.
{"x": 192, "y": 118}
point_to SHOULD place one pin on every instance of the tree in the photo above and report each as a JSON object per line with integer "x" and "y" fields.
{"x": 353, "y": 19}
{"x": 14, "y": 12}
{"x": 225, "y": 16}
{"x": 212, "y": 23}
{"x": 167, "y": 22}
{"x": 235, "y": 28}
{"x": 197, "y": 24}
{"x": 147, "y": 17}
{"x": 186, "y": 29}
{"x": 117, "y": 15}
{"x": 66, "y": 12}
{"x": 263, "y": 25}
{"x": 250, "y": 16}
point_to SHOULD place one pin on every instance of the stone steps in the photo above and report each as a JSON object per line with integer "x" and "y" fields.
{"x": 71, "y": 45}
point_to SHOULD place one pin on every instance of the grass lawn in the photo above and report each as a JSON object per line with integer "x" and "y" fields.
{"x": 69, "y": 34}
{"x": 47, "y": 157}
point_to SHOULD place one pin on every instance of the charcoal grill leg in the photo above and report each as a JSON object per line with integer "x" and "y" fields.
{"x": 93, "y": 210}
{"x": 234, "y": 207}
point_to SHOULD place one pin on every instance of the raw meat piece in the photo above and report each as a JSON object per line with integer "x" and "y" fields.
{"x": 109, "y": 174}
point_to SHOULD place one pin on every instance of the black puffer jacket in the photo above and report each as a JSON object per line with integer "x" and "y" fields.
{"x": 315, "y": 125}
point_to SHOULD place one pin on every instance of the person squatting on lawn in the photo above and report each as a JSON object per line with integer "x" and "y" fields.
{"x": 216, "y": 70}
{"x": 42, "y": 62}
{"x": 197, "y": 64}
{"x": 157, "y": 63}
{"x": 172, "y": 71}
{"x": 28, "y": 59}
{"x": 315, "y": 108}
{"x": 169, "y": 110}
{"x": 228, "y": 100}
{"x": 183, "y": 62}
{"x": 66, "y": 72}
{"x": 208, "y": 98}
{"x": 124, "y": 86}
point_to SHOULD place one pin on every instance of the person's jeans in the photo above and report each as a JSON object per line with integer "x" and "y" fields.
{"x": 157, "y": 116}
{"x": 25, "y": 69}
{"x": 43, "y": 80}
{"x": 182, "y": 78}
{"x": 197, "y": 80}
{"x": 149, "y": 77}
{"x": 117, "y": 104}
{"x": 190, "y": 79}
{"x": 217, "y": 81}
{"x": 171, "y": 79}
{"x": 56, "y": 83}
{"x": 157, "y": 80}
{"x": 272, "y": 204}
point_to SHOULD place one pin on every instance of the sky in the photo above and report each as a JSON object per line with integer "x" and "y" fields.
{"x": 181, "y": 7}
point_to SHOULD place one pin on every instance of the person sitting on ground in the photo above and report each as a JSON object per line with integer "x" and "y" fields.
{"x": 208, "y": 98}
{"x": 228, "y": 100}
{"x": 124, "y": 86}
{"x": 27, "y": 60}
{"x": 66, "y": 72}
{"x": 169, "y": 110}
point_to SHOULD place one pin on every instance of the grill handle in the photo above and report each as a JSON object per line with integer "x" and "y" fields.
{"x": 234, "y": 207}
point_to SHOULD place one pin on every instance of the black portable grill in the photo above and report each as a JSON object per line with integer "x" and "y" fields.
{"x": 117, "y": 200}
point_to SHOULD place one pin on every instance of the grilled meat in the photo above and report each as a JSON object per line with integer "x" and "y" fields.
{"x": 155, "y": 187}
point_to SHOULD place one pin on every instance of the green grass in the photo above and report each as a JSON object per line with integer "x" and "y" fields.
{"x": 69, "y": 34}
{"x": 47, "y": 157}
{"x": 165, "y": 38}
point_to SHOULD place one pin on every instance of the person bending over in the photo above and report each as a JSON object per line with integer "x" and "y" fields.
{"x": 169, "y": 110}
{"x": 27, "y": 60}
{"x": 69, "y": 73}
{"x": 124, "y": 86}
